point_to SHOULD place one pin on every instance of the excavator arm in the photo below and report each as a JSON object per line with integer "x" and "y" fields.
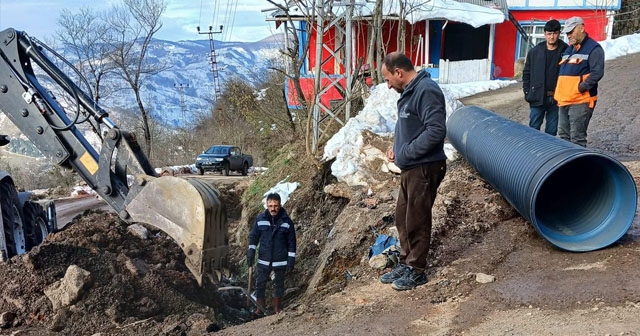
{"x": 188, "y": 210}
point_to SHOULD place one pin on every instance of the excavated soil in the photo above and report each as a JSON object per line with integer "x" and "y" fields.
{"x": 142, "y": 287}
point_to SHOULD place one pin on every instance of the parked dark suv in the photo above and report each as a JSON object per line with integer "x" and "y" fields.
{"x": 224, "y": 159}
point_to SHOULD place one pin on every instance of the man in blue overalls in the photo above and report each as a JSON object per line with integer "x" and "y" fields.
{"x": 276, "y": 235}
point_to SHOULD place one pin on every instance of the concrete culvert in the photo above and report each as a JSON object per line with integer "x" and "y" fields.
{"x": 577, "y": 199}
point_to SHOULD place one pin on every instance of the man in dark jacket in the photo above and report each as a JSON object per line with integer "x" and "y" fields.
{"x": 276, "y": 235}
{"x": 418, "y": 150}
{"x": 540, "y": 76}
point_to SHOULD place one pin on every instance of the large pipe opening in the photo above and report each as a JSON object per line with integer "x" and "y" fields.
{"x": 585, "y": 203}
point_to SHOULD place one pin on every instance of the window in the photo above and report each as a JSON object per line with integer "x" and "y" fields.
{"x": 536, "y": 33}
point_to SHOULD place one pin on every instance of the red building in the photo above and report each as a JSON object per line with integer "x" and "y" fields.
{"x": 456, "y": 41}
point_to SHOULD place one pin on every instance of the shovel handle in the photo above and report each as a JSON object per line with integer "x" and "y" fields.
{"x": 249, "y": 285}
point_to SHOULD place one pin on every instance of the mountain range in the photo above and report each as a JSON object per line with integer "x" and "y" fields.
{"x": 189, "y": 78}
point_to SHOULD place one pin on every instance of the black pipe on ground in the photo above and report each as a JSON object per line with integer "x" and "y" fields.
{"x": 577, "y": 199}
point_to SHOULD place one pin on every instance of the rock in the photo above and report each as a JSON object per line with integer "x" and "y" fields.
{"x": 27, "y": 260}
{"x": 338, "y": 190}
{"x": 395, "y": 194}
{"x": 393, "y": 232}
{"x": 147, "y": 307}
{"x": 6, "y": 319}
{"x": 485, "y": 278}
{"x": 371, "y": 202}
{"x": 378, "y": 261}
{"x": 198, "y": 323}
{"x": 385, "y": 197}
{"x": 65, "y": 292}
{"x": 59, "y": 320}
{"x": 137, "y": 267}
{"x": 139, "y": 231}
{"x": 381, "y": 260}
{"x": 301, "y": 309}
{"x": 393, "y": 168}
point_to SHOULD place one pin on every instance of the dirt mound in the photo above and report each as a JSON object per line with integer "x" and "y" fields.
{"x": 139, "y": 286}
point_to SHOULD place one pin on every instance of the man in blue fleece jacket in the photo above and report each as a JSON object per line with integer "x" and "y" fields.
{"x": 418, "y": 150}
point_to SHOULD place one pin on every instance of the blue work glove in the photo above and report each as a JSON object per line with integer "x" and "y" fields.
{"x": 290, "y": 264}
{"x": 251, "y": 257}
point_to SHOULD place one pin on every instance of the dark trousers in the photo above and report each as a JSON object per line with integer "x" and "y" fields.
{"x": 548, "y": 111}
{"x": 278, "y": 282}
{"x": 418, "y": 189}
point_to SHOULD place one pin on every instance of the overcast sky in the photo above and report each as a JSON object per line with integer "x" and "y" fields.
{"x": 39, "y": 17}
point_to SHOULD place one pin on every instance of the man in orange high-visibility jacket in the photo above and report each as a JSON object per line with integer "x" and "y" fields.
{"x": 581, "y": 67}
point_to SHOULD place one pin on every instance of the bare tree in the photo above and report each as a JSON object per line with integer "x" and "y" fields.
{"x": 627, "y": 20}
{"x": 134, "y": 24}
{"x": 296, "y": 53}
{"x": 85, "y": 33}
{"x": 375, "y": 44}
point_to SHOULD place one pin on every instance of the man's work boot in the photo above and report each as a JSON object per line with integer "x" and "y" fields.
{"x": 258, "y": 313}
{"x": 410, "y": 280}
{"x": 398, "y": 272}
{"x": 276, "y": 305}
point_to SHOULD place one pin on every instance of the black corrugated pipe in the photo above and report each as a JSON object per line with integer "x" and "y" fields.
{"x": 577, "y": 199}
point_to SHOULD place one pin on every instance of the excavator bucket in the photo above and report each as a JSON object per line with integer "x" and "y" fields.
{"x": 190, "y": 211}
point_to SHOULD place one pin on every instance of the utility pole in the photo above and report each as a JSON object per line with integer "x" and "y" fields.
{"x": 213, "y": 61}
{"x": 183, "y": 106}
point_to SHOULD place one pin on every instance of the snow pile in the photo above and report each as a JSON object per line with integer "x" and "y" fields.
{"x": 379, "y": 116}
{"x": 284, "y": 189}
{"x": 621, "y": 46}
{"x": 82, "y": 190}
{"x": 458, "y": 11}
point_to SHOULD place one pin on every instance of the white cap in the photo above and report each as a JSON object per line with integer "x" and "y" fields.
{"x": 571, "y": 23}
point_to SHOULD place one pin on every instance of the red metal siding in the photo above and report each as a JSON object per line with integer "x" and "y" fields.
{"x": 307, "y": 84}
{"x": 595, "y": 22}
{"x": 360, "y": 33}
{"x": 504, "y": 50}
{"x": 329, "y": 40}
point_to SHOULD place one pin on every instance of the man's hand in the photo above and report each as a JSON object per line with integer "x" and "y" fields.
{"x": 390, "y": 155}
{"x": 290, "y": 264}
{"x": 250, "y": 259}
{"x": 582, "y": 88}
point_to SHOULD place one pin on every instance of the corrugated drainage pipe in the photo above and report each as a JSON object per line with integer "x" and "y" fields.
{"x": 577, "y": 199}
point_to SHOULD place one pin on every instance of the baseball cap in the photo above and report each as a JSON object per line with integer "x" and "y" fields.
{"x": 552, "y": 26}
{"x": 571, "y": 23}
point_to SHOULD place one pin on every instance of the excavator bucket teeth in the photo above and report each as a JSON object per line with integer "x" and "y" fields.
{"x": 190, "y": 211}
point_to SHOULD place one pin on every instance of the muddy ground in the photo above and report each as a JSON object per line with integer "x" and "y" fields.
{"x": 142, "y": 287}
{"x": 538, "y": 289}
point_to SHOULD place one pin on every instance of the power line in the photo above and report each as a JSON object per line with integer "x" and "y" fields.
{"x": 213, "y": 60}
